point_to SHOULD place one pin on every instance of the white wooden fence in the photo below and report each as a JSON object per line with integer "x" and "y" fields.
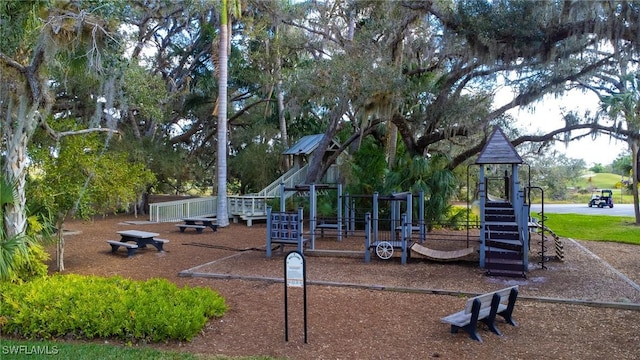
{"x": 239, "y": 207}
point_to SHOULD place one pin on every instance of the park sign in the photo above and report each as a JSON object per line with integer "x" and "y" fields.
{"x": 295, "y": 276}
{"x": 295, "y": 273}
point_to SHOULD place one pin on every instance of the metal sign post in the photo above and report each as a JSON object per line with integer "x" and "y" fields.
{"x": 295, "y": 275}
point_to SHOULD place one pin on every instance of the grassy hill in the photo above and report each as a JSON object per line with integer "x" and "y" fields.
{"x": 592, "y": 182}
{"x": 599, "y": 181}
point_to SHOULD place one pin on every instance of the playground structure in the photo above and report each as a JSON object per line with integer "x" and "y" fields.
{"x": 504, "y": 227}
{"x": 387, "y": 225}
{"x": 398, "y": 234}
{"x": 506, "y": 223}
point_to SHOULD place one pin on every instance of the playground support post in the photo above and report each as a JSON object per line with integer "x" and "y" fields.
{"x": 482, "y": 198}
{"x": 421, "y": 223}
{"x": 406, "y": 233}
{"x": 375, "y": 217}
{"x": 313, "y": 214}
{"x": 367, "y": 237}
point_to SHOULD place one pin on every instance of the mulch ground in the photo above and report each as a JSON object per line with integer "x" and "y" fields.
{"x": 586, "y": 307}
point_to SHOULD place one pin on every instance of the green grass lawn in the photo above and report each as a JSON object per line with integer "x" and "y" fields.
{"x": 12, "y": 349}
{"x": 594, "y": 227}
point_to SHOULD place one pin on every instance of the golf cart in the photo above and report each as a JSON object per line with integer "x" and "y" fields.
{"x": 604, "y": 199}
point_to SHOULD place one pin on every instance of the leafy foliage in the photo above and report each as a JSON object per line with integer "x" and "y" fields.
{"x": 622, "y": 165}
{"x": 365, "y": 172}
{"x": 21, "y": 256}
{"x": 82, "y": 178}
{"x": 414, "y": 174}
{"x": 429, "y": 175}
{"x": 88, "y": 307}
{"x": 555, "y": 172}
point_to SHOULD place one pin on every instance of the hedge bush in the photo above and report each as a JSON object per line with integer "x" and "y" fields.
{"x": 87, "y": 307}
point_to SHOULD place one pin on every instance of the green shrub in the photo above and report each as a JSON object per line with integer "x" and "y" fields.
{"x": 30, "y": 265}
{"x": 87, "y": 307}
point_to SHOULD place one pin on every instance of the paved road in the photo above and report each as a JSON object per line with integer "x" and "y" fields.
{"x": 583, "y": 209}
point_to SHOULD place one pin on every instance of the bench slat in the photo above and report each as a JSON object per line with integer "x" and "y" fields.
{"x": 485, "y": 299}
{"x": 131, "y": 248}
{"x": 462, "y": 318}
{"x": 198, "y": 228}
{"x": 123, "y": 244}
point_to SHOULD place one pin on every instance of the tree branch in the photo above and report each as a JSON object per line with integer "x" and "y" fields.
{"x": 12, "y": 63}
{"x": 613, "y": 131}
{"x": 59, "y": 135}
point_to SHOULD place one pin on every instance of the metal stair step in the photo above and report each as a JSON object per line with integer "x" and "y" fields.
{"x": 498, "y": 204}
{"x": 501, "y": 223}
{"x": 493, "y": 252}
{"x": 503, "y": 236}
{"x": 500, "y": 217}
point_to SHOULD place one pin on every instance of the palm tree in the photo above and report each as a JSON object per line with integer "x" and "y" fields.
{"x": 223, "y": 57}
{"x": 221, "y": 167}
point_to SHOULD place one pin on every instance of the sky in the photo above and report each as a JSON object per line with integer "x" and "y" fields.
{"x": 548, "y": 116}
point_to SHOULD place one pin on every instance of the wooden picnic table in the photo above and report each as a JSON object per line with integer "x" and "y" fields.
{"x": 142, "y": 238}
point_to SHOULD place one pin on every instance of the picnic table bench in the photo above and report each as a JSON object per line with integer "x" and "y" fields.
{"x": 131, "y": 248}
{"x": 198, "y": 223}
{"x": 484, "y": 308}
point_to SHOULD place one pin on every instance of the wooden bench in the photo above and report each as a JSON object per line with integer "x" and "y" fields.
{"x": 198, "y": 228}
{"x": 131, "y": 248}
{"x": 484, "y": 308}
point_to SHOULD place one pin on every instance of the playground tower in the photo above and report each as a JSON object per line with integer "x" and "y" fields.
{"x": 504, "y": 213}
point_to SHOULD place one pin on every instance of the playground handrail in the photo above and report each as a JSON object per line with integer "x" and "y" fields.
{"x": 274, "y": 188}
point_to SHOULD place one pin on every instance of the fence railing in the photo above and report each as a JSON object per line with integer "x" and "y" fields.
{"x": 176, "y": 210}
{"x": 246, "y": 207}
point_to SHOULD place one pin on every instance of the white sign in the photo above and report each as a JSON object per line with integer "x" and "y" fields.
{"x": 295, "y": 270}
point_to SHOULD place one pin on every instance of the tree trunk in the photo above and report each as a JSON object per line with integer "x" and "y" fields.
{"x": 60, "y": 247}
{"x": 283, "y": 122}
{"x": 635, "y": 178}
{"x": 17, "y": 134}
{"x": 315, "y": 172}
{"x": 221, "y": 168}
{"x": 392, "y": 144}
{"x": 281, "y": 118}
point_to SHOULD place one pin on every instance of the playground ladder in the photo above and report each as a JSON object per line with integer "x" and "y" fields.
{"x": 504, "y": 250}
